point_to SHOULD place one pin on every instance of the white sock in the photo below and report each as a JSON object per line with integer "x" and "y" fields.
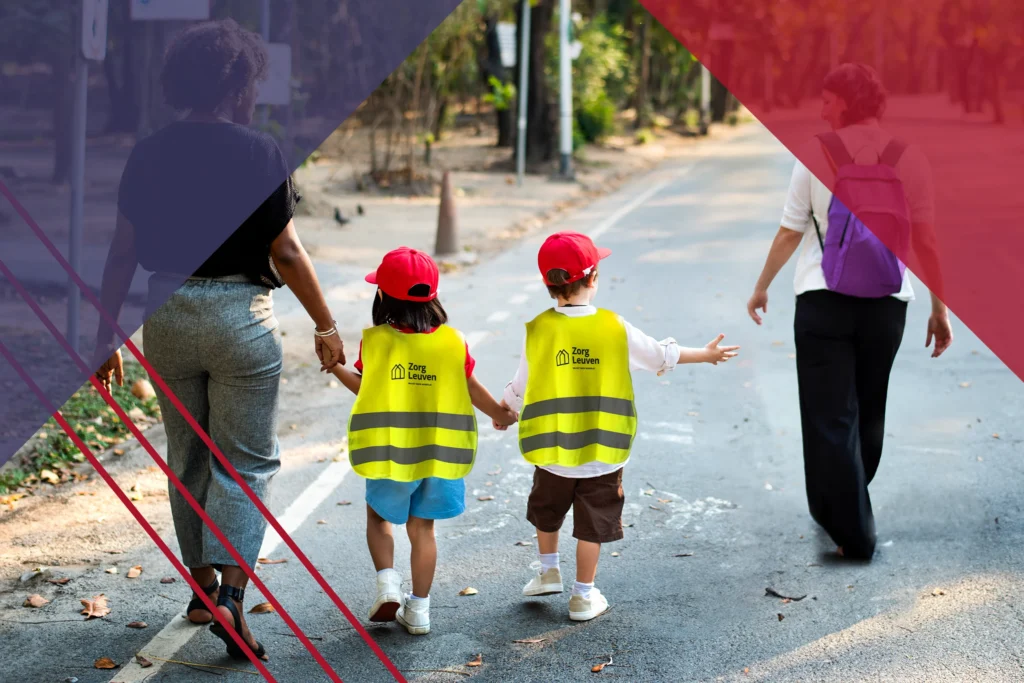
{"x": 413, "y": 597}
{"x": 381, "y": 572}
{"x": 582, "y": 589}
{"x": 548, "y": 561}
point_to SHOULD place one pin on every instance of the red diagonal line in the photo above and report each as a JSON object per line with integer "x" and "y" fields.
{"x": 88, "y": 293}
{"x": 5, "y": 352}
{"x": 235, "y": 555}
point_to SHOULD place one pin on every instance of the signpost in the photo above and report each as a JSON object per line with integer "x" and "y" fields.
{"x": 507, "y": 43}
{"x": 93, "y": 47}
{"x": 524, "y": 84}
{"x": 565, "y": 92}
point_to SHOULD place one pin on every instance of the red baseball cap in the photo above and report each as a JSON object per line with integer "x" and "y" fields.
{"x": 401, "y": 270}
{"x": 572, "y": 252}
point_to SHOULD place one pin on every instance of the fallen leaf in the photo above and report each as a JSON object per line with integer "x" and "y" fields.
{"x": 168, "y": 579}
{"x": 598, "y": 668}
{"x": 776, "y": 594}
{"x": 995, "y": 436}
{"x": 781, "y": 617}
{"x": 964, "y": 385}
{"x": 787, "y": 601}
{"x": 746, "y": 669}
{"x": 262, "y": 608}
{"x": 134, "y": 572}
{"x": 143, "y": 662}
{"x": 664, "y": 500}
{"x": 468, "y": 591}
{"x": 321, "y": 521}
{"x": 111, "y": 570}
{"x": 683, "y": 555}
{"x": 648, "y": 492}
{"x": 488, "y": 483}
{"x": 136, "y": 414}
{"x": 530, "y": 641}
{"x": 95, "y": 607}
{"x": 35, "y": 600}
{"x": 49, "y": 476}
{"x": 523, "y": 543}
{"x": 476, "y": 661}
{"x": 495, "y": 472}
{"x": 693, "y": 413}
{"x": 264, "y": 560}
{"x": 485, "y": 498}
{"x": 626, "y": 526}
{"x": 293, "y": 427}
{"x": 118, "y": 451}
{"x": 137, "y": 624}
{"x": 344, "y": 502}
{"x": 615, "y": 554}
{"x": 655, "y": 507}
{"x": 105, "y": 663}
{"x": 58, "y": 582}
{"x": 938, "y": 591}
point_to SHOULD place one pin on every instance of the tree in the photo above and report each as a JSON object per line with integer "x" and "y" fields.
{"x": 541, "y": 121}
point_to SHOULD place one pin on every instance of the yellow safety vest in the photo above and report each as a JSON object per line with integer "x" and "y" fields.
{"x": 413, "y": 417}
{"x": 579, "y": 404}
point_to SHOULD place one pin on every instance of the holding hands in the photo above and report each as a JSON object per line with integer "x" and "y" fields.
{"x": 510, "y": 418}
{"x": 719, "y": 354}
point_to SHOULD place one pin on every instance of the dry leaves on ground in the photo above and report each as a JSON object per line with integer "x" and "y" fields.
{"x": 264, "y": 560}
{"x": 105, "y": 663}
{"x": 111, "y": 570}
{"x": 262, "y": 608}
{"x": 776, "y": 594}
{"x": 168, "y": 579}
{"x": 530, "y": 641}
{"x": 683, "y": 555}
{"x": 598, "y": 668}
{"x": 485, "y": 498}
{"x": 137, "y": 624}
{"x": 35, "y": 600}
{"x": 938, "y": 591}
{"x": 476, "y": 661}
{"x": 135, "y": 571}
{"x": 143, "y": 662}
{"x": 781, "y": 617}
{"x": 523, "y": 543}
{"x": 468, "y": 591}
{"x": 344, "y": 502}
{"x": 615, "y": 554}
{"x": 58, "y": 582}
{"x": 95, "y": 607}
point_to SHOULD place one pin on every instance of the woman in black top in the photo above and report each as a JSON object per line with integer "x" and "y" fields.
{"x": 209, "y": 185}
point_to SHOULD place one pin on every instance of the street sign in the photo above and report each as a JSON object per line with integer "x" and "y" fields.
{"x": 94, "y": 29}
{"x": 277, "y": 89}
{"x": 150, "y": 10}
{"x": 507, "y": 43}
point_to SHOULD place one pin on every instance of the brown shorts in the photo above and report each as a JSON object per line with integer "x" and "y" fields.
{"x": 596, "y": 503}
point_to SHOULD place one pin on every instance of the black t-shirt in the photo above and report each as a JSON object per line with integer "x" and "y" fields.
{"x": 208, "y": 199}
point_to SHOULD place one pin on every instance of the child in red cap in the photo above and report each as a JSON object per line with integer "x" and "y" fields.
{"x": 578, "y": 418}
{"x": 412, "y": 433}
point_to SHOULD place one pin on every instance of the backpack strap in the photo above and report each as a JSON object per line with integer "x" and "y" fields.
{"x": 890, "y": 156}
{"x": 835, "y": 150}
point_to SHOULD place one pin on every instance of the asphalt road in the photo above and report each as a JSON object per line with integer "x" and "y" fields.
{"x": 716, "y": 474}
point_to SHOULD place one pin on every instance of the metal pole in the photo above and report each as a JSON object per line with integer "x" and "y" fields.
{"x": 705, "y": 99}
{"x": 524, "y": 85}
{"x": 77, "y": 196}
{"x": 565, "y": 89}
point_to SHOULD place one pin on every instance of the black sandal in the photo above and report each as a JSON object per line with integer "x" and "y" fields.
{"x": 197, "y": 602}
{"x": 226, "y": 598}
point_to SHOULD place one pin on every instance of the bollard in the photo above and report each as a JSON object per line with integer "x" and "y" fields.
{"x": 447, "y": 242}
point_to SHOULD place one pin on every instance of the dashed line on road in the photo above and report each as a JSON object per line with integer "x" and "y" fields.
{"x": 609, "y": 223}
{"x": 518, "y": 299}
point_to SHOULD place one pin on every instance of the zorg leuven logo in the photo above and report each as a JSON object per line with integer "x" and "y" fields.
{"x": 578, "y": 357}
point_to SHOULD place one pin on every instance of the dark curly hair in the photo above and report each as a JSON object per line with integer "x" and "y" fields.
{"x": 210, "y": 62}
{"x": 860, "y": 87}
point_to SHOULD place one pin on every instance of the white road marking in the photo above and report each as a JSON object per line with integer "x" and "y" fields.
{"x": 674, "y": 426}
{"x": 518, "y": 299}
{"x": 498, "y": 316}
{"x": 474, "y": 338}
{"x": 179, "y": 631}
{"x": 609, "y": 223}
{"x": 666, "y": 438}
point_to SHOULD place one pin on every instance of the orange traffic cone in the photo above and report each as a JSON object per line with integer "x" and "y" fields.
{"x": 447, "y": 242}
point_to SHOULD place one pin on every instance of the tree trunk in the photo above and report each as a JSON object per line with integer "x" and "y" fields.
{"x": 540, "y": 115}
{"x": 645, "y": 73}
{"x": 492, "y": 66}
{"x": 124, "y": 104}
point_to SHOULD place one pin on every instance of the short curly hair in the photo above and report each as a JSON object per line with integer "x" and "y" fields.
{"x": 210, "y": 62}
{"x": 860, "y": 87}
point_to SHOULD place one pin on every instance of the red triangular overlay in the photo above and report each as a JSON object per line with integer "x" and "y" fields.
{"x": 926, "y": 52}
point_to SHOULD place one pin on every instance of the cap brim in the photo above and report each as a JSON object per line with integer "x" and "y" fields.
{"x": 372, "y": 278}
{"x": 603, "y": 253}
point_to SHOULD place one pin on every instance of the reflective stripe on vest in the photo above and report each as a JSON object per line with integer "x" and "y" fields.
{"x": 579, "y": 405}
{"x": 413, "y": 417}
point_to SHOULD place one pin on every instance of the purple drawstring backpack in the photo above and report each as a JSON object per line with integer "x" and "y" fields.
{"x": 856, "y": 260}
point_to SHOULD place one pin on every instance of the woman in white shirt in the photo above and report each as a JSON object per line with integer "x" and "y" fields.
{"x": 846, "y": 344}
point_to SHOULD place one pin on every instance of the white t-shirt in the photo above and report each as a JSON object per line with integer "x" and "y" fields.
{"x": 807, "y": 194}
{"x": 645, "y": 353}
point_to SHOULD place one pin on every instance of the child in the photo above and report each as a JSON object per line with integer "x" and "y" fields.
{"x": 412, "y": 433}
{"x": 578, "y": 418}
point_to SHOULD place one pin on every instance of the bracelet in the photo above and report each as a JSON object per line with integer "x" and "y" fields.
{"x": 328, "y": 333}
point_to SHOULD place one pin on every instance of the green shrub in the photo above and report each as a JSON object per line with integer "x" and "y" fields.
{"x": 644, "y": 136}
{"x": 596, "y": 118}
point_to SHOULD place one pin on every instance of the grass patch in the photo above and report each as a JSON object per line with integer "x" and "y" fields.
{"x": 52, "y": 454}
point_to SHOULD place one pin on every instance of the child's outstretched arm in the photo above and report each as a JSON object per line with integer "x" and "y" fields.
{"x": 712, "y": 353}
{"x": 485, "y": 403}
{"x": 351, "y": 380}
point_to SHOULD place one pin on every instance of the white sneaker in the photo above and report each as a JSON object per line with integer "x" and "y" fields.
{"x": 585, "y": 609}
{"x": 414, "y": 615}
{"x": 389, "y": 596}
{"x": 545, "y": 583}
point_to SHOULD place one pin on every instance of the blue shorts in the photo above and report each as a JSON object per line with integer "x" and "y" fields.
{"x": 431, "y": 498}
